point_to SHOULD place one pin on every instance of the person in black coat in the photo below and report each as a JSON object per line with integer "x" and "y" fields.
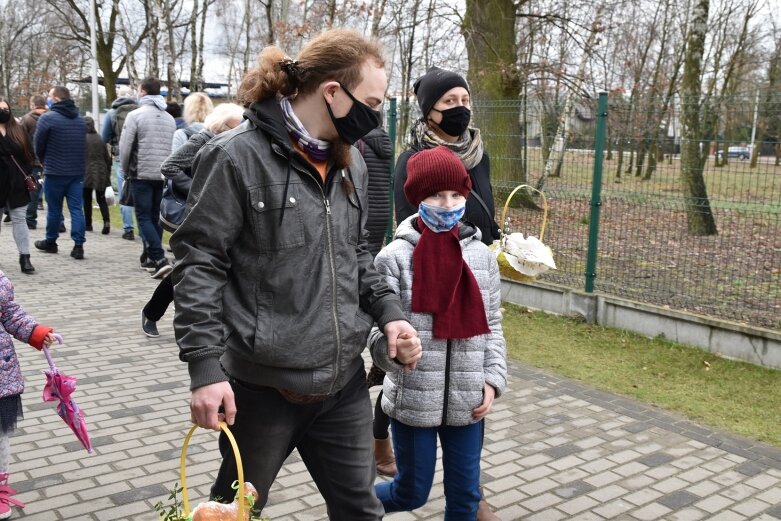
{"x": 443, "y": 97}
{"x": 377, "y": 151}
{"x": 97, "y": 177}
{"x": 16, "y": 161}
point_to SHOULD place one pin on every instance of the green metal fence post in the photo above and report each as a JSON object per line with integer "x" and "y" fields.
{"x": 392, "y": 113}
{"x": 596, "y": 193}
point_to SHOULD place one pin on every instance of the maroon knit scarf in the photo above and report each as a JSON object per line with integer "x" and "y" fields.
{"x": 443, "y": 285}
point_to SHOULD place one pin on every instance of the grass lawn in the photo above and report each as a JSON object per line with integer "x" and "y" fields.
{"x": 742, "y": 398}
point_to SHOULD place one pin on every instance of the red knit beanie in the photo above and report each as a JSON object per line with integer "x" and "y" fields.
{"x": 435, "y": 170}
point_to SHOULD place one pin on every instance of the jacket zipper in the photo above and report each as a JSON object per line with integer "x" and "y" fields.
{"x": 333, "y": 293}
{"x": 447, "y": 384}
{"x": 327, "y": 205}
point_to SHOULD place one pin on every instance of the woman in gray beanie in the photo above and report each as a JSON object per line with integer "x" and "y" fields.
{"x": 445, "y": 105}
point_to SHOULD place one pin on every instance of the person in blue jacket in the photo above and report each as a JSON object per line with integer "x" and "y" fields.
{"x": 60, "y": 144}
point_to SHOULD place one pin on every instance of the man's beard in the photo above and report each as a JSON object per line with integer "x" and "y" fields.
{"x": 340, "y": 153}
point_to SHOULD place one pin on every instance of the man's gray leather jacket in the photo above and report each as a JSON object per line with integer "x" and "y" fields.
{"x": 274, "y": 282}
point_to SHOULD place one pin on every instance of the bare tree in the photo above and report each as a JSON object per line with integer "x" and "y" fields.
{"x": 554, "y": 161}
{"x": 74, "y": 27}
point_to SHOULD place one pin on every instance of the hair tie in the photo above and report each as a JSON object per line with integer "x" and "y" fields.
{"x": 292, "y": 69}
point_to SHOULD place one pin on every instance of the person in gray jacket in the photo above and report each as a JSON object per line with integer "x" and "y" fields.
{"x": 143, "y": 146}
{"x": 449, "y": 285}
{"x": 275, "y": 290}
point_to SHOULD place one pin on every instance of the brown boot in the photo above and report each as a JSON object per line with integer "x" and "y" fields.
{"x": 383, "y": 457}
{"x": 484, "y": 510}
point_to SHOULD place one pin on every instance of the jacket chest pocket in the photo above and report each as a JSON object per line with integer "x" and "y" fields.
{"x": 354, "y": 214}
{"x": 276, "y": 217}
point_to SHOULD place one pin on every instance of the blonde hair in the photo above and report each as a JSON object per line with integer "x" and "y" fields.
{"x": 218, "y": 120}
{"x": 337, "y": 55}
{"x": 197, "y": 106}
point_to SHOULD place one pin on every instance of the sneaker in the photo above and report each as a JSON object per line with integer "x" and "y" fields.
{"x": 149, "y": 326}
{"x": 149, "y": 265}
{"x": 77, "y": 252}
{"x": 62, "y": 228}
{"x": 7, "y": 218}
{"x": 46, "y": 246}
{"x": 143, "y": 258}
{"x": 162, "y": 268}
{"x": 32, "y": 226}
{"x": 128, "y": 235}
{"x": 89, "y": 228}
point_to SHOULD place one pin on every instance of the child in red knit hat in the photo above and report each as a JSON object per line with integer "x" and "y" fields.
{"x": 449, "y": 285}
{"x": 14, "y": 322}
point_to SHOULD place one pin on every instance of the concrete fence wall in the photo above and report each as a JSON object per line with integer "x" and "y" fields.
{"x": 728, "y": 339}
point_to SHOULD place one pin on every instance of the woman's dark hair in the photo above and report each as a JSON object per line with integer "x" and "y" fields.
{"x": 173, "y": 108}
{"x": 337, "y": 55}
{"x": 18, "y": 134}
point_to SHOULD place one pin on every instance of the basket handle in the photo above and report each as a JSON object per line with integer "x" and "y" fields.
{"x": 183, "y": 464}
{"x": 544, "y": 208}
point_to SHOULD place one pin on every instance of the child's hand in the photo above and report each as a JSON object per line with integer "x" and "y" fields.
{"x": 408, "y": 350}
{"x": 480, "y": 412}
{"x": 48, "y": 339}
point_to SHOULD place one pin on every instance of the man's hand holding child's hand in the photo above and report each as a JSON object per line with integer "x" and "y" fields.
{"x": 401, "y": 332}
{"x": 408, "y": 350}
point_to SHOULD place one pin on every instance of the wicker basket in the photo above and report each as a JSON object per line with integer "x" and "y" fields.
{"x": 505, "y": 267}
{"x": 183, "y": 476}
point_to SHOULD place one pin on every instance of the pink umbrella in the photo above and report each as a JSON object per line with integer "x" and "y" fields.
{"x": 60, "y": 387}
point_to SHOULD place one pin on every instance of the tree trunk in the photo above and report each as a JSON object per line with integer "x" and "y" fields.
{"x": 153, "y": 60}
{"x": 407, "y": 46}
{"x": 620, "y": 154}
{"x": 377, "y": 13}
{"x": 194, "y": 47}
{"x": 489, "y": 30}
{"x": 199, "y": 69}
{"x": 698, "y": 212}
{"x": 641, "y": 151}
{"x": 132, "y": 69}
{"x": 247, "y": 36}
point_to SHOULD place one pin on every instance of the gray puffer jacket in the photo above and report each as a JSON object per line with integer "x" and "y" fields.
{"x": 447, "y": 383}
{"x": 275, "y": 285}
{"x": 151, "y": 128}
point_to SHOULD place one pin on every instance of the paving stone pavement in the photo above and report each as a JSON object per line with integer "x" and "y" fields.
{"x": 554, "y": 449}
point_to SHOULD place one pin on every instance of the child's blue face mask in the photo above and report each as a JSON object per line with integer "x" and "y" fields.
{"x": 49, "y": 102}
{"x": 440, "y": 219}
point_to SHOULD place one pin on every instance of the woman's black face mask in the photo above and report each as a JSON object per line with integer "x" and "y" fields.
{"x": 455, "y": 121}
{"x": 359, "y": 121}
{"x": 5, "y": 115}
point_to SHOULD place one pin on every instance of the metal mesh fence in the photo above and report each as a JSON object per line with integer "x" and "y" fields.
{"x": 645, "y": 250}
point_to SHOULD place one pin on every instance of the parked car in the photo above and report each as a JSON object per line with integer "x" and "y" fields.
{"x": 735, "y": 152}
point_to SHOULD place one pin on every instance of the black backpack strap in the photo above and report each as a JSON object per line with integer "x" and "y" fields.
{"x": 482, "y": 203}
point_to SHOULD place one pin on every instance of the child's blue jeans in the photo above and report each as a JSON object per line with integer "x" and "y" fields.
{"x": 416, "y": 457}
